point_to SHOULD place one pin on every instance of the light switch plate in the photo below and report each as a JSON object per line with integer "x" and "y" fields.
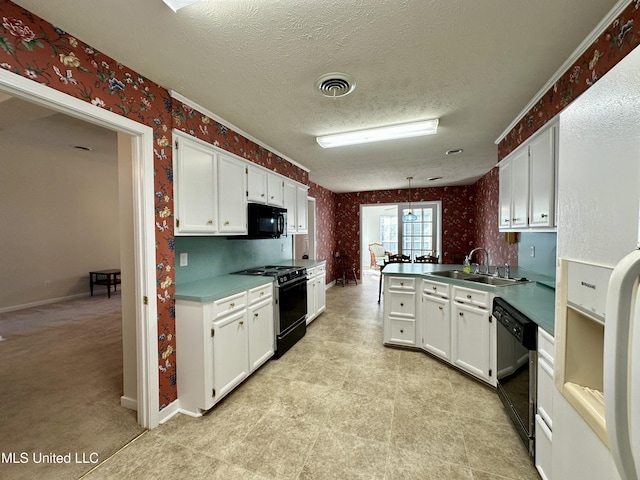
{"x": 533, "y": 251}
{"x": 184, "y": 259}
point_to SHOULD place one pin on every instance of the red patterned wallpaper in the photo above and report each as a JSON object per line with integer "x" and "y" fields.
{"x": 487, "y": 234}
{"x": 458, "y": 218}
{"x": 325, "y": 227}
{"x": 607, "y": 50}
{"x": 201, "y": 126}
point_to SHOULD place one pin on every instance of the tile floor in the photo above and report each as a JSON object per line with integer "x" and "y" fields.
{"x": 339, "y": 405}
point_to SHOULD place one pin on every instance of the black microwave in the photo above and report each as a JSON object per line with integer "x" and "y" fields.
{"x": 266, "y": 221}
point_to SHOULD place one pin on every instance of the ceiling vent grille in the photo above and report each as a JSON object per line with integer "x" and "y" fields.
{"x": 335, "y": 85}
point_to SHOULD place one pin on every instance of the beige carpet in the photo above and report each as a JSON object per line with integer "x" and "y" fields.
{"x": 60, "y": 388}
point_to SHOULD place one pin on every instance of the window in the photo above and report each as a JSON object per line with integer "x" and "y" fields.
{"x": 421, "y": 237}
{"x": 389, "y": 232}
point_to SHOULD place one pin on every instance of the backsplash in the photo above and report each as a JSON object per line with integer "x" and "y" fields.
{"x": 544, "y": 244}
{"x": 213, "y": 256}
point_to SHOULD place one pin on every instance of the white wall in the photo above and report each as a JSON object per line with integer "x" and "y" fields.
{"x": 370, "y": 228}
{"x": 59, "y": 215}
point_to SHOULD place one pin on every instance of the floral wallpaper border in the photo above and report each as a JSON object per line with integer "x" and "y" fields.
{"x": 604, "y": 53}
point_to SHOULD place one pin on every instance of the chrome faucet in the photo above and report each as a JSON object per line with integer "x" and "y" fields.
{"x": 486, "y": 258}
{"x": 506, "y": 270}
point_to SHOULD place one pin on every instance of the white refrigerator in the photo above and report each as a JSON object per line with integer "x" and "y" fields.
{"x": 598, "y": 210}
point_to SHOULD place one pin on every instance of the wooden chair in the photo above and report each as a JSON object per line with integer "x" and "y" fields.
{"x": 427, "y": 259}
{"x": 397, "y": 258}
{"x": 346, "y": 269}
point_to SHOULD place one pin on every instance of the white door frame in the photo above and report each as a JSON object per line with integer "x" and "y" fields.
{"x": 143, "y": 228}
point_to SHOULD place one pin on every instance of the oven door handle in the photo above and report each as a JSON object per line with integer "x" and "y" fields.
{"x": 292, "y": 283}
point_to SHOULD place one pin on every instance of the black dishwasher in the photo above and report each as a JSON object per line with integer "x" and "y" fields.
{"x": 517, "y": 359}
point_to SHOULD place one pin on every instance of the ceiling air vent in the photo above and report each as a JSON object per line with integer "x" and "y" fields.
{"x": 335, "y": 85}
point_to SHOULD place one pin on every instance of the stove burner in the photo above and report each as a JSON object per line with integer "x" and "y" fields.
{"x": 282, "y": 273}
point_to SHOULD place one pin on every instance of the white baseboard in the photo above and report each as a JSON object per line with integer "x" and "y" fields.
{"x": 169, "y": 412}
{"x": 130, "y": 403}
{"x": 42, "y": 302}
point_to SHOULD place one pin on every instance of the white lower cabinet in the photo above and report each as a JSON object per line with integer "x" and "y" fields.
{"x": 474, "y": 341}
{"x": 400, "y": 311}
{"x": 261, "y": 327}
{"x": 451, "y": 322}
{"x": 544, "y": 414}
{"x": 219, "y": 343}
{"x": 230, "y": 363}
{"x": 316, "y": 293}
{"x": 436, "y": 319}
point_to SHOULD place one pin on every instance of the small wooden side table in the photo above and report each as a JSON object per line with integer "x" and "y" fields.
{"x": 105, "y": 277}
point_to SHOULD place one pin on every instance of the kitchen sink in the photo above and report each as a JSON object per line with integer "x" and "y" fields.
{"x": 457, "y": 274}
{"x": 479, "y": 278}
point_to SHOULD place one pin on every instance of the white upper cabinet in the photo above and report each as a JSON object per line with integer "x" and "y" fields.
{"x": 212, "y": 188}
{"x": 542, "y": 179}
{"x": 301, "y": 209}
{"x": 232, "y": 205}
{"x": 505, "y": 194}
{"x": 264, "y": 186}
{"x": 275, "y": 189}
{"x": 528, "y": 184}
{"x": 290, "y": 203}
{"x": 256, "y": 184}
{"x": 195, "y": 187}
{"x": 519, "y": 190}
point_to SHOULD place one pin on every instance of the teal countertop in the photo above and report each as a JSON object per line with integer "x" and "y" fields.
{"x": 215, "y": 288}
{"x": 535, "y": 299}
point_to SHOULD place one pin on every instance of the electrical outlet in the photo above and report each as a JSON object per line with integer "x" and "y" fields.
{"x": 184, "y": 259}
{"x": 533, "y": 251}
{"x": 282, "y": 247}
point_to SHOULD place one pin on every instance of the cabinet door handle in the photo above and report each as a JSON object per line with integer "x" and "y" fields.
{"x": 262, "y": 195}
{"x": 435, "y": 288}
{"x": 401, "y": 331}
{"x": 241, "y": 322}
{"x": 461, "y": 314}
{"x": 402, "y": 304}
{"x": 226, "y": 223}
{"x": 440, "y": 307}
{"x": 401, "y": 284}
{"x": 231, "y": 305}
{"x": 256, "y": 315}
{"x": 544, "y": 215}
{"x": 210, "y": 222}
{"x": 469, "y": 297}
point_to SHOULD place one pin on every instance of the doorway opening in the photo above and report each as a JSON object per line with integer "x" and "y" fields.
{"x": 137, "y": 140}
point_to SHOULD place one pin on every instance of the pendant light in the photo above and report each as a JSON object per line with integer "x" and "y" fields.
{"x": 410, "y": 217}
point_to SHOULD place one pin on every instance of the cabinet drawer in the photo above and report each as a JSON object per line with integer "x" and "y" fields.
{"x": 402, "y": 283}
{"x": 229, "y": 304}
{"x": 260, "y": 293}
{"x": 320, "y": 269}
{"x": 546, "y": 347}
{"x": 435, "y": 288}
{"x": 403, "y": 332}
{"x": 543, "y": 449}
{"x": 473, "y": 297}
{"x": 402, "y": 304}
{"x": 545, "y": 392}
{"x": 312, "y": 272}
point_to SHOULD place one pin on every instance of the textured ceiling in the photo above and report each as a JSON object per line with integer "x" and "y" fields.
{"x": 473, "y": 64}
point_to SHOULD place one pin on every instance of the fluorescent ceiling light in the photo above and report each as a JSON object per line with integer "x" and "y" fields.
{"x": 176, "y": 5}
{"x": 405, "y": 130}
